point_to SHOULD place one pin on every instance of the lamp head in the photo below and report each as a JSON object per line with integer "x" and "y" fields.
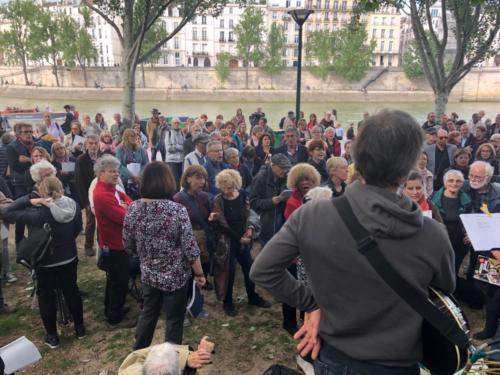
{"x": 300, "y": 15}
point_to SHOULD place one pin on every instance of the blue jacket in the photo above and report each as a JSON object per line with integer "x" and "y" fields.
{"x": 139, "y": 156}
{"x": 212, "y": 171}
{"x": 302, "y": 153}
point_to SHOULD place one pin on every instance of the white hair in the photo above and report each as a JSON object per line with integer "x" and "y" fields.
{"x": 453, "y": 172}
{"x": 106, "y": 162}
{"x": 487, "y": 167}
{"x": 495, "y": 137}
{"x": 319, "y": 192}
{"x": 36, "y": 170}
{"x": 228, "y": 153}
{"x": 162, "y": 359}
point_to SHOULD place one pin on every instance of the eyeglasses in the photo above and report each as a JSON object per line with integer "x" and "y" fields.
{"x": 443, "y": 137}
{"x": 476, "y": 178}
{"x": 27, "y": 132}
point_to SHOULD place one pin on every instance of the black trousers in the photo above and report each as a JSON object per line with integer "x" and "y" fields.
{"x": 174, "y": 306}
{"x": 289, "y": 312}
{"x": 117, "y": 277}
{"x": 19, "y": 191}
{"x": 242, "y": 255}
{"x": 176, "y": 169}
{"x": 64, "y": 278}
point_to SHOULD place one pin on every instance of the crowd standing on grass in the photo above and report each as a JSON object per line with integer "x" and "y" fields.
{"x": 188, "y": 202}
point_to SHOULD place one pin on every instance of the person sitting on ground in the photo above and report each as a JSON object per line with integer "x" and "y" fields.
{"x": 337, "y": 169}
{"x": 58, "y": 268}
{"x": 168, "y": 359}
{"x": 413, "y": 188}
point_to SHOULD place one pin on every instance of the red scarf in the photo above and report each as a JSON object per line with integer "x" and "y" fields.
{"x": 424, "y": 204}
{"x": 28, "y": 145}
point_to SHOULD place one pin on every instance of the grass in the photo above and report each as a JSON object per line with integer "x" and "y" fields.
{"x": 246, "y": 344}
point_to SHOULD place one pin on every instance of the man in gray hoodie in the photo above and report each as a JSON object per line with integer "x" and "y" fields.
{"x": 364, "y": 326}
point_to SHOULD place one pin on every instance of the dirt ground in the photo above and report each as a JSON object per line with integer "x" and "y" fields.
{"x": 246, "y": 344}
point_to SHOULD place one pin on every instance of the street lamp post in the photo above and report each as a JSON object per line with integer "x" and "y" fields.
{"x": 300, "y": 17}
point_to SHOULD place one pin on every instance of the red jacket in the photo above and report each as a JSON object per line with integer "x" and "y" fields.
{"x": 109, "y": 215}
{"x": 294, "y": 202}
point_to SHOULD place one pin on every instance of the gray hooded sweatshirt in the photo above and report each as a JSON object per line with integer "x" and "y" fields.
{"x": 63, "y": 209}
{"x": 361, "y": 315}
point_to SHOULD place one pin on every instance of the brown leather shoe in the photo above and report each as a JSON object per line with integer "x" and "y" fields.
{"x": 7, "y": 309}
{"x": 125, "y": 323}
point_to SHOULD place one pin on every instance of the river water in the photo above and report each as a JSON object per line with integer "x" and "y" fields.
{"x": 347, "y": 111}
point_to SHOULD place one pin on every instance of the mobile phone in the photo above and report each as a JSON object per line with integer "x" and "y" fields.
{"x": 286, "y": 193}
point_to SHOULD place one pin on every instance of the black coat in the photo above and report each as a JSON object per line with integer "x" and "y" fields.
{"x": 17, "y": 169}
{"x": 302, "y": 153}
{"x": 63, "y": 234}
{"x": 264, "y": 188}
{"x": 84, "y": 174}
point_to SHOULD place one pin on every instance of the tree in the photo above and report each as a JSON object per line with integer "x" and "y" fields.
{"x": 249, "y": 38}
{"x": 272, "y": 63}
{"x": 222, "y": 67}
{"x": 17, "y": 41}
{"x": 352, "y": 56}
{"x": 320, "y": 49}
{"x": 412, "y": 64}
{"x": 477, "y": 23}
{"x": 122, "y": 13}
{"x": 77, "y": 44}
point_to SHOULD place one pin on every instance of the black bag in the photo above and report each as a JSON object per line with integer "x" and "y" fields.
{"x": 32, "y": 250}
{"x": 280, "y": 370}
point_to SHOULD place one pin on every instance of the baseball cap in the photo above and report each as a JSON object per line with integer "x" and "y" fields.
{"x": 281, "y": 161}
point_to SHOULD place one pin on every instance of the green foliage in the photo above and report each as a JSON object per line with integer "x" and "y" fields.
{"x": 320, "y": 49}
{"x": 412, "y": 64}
{"x": 153, "y": 35}
{"x": 249, "y": 34}
{"x": 19, "y": 39}
{"x": 352, "y": 56}
{"x": 343, "y": 52}
{"x": 272, "y": 62}
{"x": 222, "y": 67}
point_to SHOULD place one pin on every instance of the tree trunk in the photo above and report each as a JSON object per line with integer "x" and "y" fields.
{"x": 441, "y": 100}
{"x": 246, "y": 75}
{"x": 84, "y": 68}
{"x": 143, "y": 77}
{"x": 54, "y": 69}
{"x": 25, "y": 71}
{"x": 128, "y": 102}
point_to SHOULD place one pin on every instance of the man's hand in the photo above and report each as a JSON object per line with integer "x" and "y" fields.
{"x": 277, "y": 199}
{"x": 198, "y": 358}
{"x": 206, "y": 345}
{"x": 214, "y": 216}
{"x": 24, "y": 159}
{"x": 38, "y": 202}
{"x": 310, "y": 342}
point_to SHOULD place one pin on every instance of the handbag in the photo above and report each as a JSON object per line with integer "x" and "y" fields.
{"x": 33, "y": 249}
{"x": 445, "y": 341}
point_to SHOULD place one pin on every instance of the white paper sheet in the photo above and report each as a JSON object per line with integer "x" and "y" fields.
{"x": 483, "y": 231}
{"x": 68, "y": 167}
{"x": 427, "y": 213}
{"x": 134, "y": 168}
{"x": 78, "y": 140}
{"x": 158, "y": 155}
{"x": 19, "y": 354}
{"x": 4, "y": 232}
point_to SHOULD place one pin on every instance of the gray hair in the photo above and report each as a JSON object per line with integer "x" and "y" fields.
{"x": 42, "y": 128}
{"x": 162, "y": 359}
{"x": 387, "y": 148}
{"x": 20, "y": 125}
{"x": 319, "y": 192}
{"x": 495, "y": 137}
{"x": 36, "y": 170}
{"x": 92, "y": 137}
{"x": 487, "y": 167}
{"x": 230, "y": 152}
{"x": 335, "y": 162}
{"x": 213, "y": 143}
{"x": 106, "y": 162}
{"x": 453, "y": 172}
{"x": 292, "y": 129}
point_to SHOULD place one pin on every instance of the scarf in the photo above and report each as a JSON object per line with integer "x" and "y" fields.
{"x": 424, "y": 204}
{"x": 28, "y": 145}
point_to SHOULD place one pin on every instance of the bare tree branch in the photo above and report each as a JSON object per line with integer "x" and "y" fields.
{"x": 444, "y": 18}
{"x": 106, "y": 18}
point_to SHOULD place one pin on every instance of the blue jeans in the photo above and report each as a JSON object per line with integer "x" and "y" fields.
{"x": 333, "y": 362}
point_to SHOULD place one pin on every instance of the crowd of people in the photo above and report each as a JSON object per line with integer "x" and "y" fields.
{"x": 189, "y": 202}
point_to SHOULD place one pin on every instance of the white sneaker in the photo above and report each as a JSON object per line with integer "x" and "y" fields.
{"x": 10, "y": 277}
{"x": 305, "y": 366}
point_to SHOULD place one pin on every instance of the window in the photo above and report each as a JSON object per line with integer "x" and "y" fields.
{"x": 93, "y": 36}
{"x": 434, "y": 12}
{"x": 297, "y": 27}
{"x": 176, "y": 43}
{"x": 393, "y": 21}
{"x": 383, "y": 20}
{"x": 287, "y": 4}
{"x": 221, "y": 37}
{"x": 344, "y": 6}
{"x": 389, "y": 60}
{"x": 230, "y": 37}
{"x": 327, "y": 4}
{"x": 175, "y": 25}
{"x": 309, "y": 4}
{"x": 309, "y": 26}
{"x": 203, "y": 20}
{"x": 374, "y": 33}
{"x": 299, "y": 3}
{"x": 296, "y": 39}
{"x": 195, "y": 34}
{"x": 391, "y": 33}
{"x": 100, "y": 34}
{"x": 221, "y": 23}
{"x": 165, "y": 59}
{"x": 194, "y": 21}
{"x": 390, "y": 46}
{"x": 275, "y": 15}
{"x": 382, "y": 33}
{"x": 230, "y": 10}
{"x": 204, "y": 47}
{"x": 231, "y": 24}
{"x": 195, "y": 47}
{"x": 203, "y": 34}
{"x": 327, "y": 15}
{"x": 177, "y": 58}
{"x": 375, "y": 21}
{"x": 284, "y": 52}
{"x": 382, "y": 45}
{"x": 335, "y": 5}
{"x": 295, "y": 52}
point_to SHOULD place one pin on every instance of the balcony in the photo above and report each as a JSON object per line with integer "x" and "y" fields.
{"x": 200, "y": 53}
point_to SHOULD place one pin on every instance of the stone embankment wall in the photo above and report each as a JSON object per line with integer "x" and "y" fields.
{"x": 191, "y": 84}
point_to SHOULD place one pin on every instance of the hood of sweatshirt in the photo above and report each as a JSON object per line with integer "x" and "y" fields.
{"x": 383, "y": 213}
{"x": 63, "y": 209}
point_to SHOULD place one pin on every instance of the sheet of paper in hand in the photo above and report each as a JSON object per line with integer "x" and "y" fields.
{"x": 482, "y": 230}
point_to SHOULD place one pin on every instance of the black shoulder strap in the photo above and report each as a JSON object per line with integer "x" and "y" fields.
{"x": 419, "y": 302}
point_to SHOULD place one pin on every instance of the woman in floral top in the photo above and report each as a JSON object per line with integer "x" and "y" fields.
{"x": 160, "y": 232}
